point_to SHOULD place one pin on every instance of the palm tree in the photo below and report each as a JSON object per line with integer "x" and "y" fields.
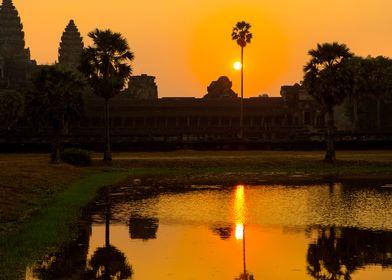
{"x": 106, "y": 66}
{"x": 329, "y": 81}
{"x": 56, "y": 99}
{"x": 242, "y": 36}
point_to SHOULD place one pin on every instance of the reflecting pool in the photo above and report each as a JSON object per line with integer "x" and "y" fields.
{"x": 330, "y": 231}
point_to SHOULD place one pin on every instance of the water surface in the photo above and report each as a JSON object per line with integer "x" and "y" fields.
{"x": 330, "y": 231}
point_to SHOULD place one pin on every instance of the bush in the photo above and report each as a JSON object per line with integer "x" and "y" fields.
{"x": 76, "y": 157}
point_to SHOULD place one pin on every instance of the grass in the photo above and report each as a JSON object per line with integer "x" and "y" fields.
{"x": 28, "y": 181}
{"x": 256, "y": 166}
{"x": 53, "y": 226}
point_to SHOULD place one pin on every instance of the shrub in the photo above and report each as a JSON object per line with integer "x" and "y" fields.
{"x": 76, "y": 157}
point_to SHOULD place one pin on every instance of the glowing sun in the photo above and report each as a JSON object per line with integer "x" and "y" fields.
{"x": 237, "y": 65}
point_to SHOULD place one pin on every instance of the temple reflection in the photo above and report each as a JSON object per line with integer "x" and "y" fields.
{"x": 224, "y": 231}
{"x": 143, "y": 228}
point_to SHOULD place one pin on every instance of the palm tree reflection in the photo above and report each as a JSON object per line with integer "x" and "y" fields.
{"x": 240, "y": 214}
{"x": 108, "y": 263}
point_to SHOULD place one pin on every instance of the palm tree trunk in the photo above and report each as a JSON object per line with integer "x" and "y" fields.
{"x": 242, "y": 95}
{"x": 378, "y": 114}
{"x": 330, "y": 155}
{"x": 108, "y": 154}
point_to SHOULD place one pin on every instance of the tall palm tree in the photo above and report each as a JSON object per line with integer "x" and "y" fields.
{"x": 328, "y": 80}
{"x": 106, "y": 66}
{"x": 242, "y": 36}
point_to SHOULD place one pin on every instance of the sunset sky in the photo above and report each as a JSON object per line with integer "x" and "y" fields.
{"x": 187, "y": 44}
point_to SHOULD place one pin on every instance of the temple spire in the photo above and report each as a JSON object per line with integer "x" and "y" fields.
{"x": 71, "y": 46}
{"x": 12, "y": 45}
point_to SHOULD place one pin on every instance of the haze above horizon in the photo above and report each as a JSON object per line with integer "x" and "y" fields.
{"x": 187, "y": 44}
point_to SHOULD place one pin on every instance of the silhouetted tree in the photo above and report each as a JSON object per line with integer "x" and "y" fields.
{"x": 11, "y": 108}
{"x": 242, "y": 36}
{"x": 106, "y": 66}
{"x": 56, "y": 99}
{"x": 329, "y": 80}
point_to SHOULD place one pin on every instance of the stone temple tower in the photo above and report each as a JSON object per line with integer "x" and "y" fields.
{"x": 14, "y": 57}
{"x": 71, "y": 46}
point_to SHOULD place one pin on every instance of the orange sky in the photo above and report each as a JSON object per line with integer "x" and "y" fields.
{"x": 187, "y": 44}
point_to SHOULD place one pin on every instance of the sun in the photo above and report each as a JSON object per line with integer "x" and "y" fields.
{"x": 237, "y": 65}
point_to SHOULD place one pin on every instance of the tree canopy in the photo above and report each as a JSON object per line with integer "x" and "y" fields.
{"x": 106, "y": 63}
{"x": 327, "y": 76}
{"x": 241, "y": 33}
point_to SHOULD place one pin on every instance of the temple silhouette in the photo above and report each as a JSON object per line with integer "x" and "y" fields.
{"x": 139, "y": 116}
{"x": 15, "y": 62}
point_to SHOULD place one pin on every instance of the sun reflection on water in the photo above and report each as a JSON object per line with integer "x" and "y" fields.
{"x": 239, "y": 231}
{"x": 239, "y": 211}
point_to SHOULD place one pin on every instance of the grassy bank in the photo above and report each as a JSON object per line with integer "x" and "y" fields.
{"x": 54, "y": 225}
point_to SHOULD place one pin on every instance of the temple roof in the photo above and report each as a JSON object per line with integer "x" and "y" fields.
{"x": 71, "y": 46}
